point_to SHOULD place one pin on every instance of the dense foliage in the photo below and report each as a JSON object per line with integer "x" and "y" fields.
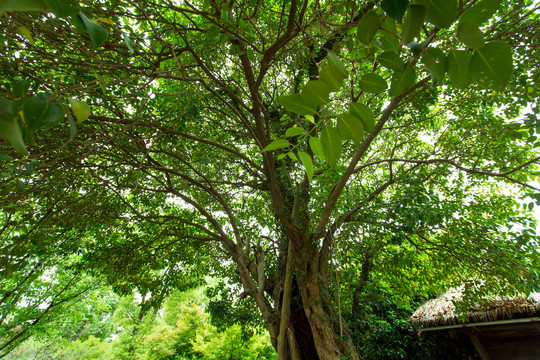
{"x": 309, "y": 152}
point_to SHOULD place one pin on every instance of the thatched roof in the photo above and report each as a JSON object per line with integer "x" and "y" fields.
{"x": 442, "y": 311}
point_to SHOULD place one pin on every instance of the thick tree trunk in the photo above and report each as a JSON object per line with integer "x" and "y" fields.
{"x": 312, "y": 333}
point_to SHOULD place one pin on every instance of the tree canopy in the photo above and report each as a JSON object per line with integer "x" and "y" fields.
{"x": 293, "y": 147}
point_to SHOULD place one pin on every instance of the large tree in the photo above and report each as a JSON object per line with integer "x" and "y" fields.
{"x": 222, "y": 136}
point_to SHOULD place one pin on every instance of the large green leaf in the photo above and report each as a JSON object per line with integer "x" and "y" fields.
{"x": 364, "y": 113}
{"x": 440, "y": 13}
{"x": 391, "y": 60}
{"x": 437, "y": 64}
{"x": 335, "y": 63}
{"x": 296, "y": 104}
{"x": 395, "y": 8}
{"x": 367, "y": 27}
{"x": 470, "y": 34}
{"x": 372, "y": 83}
{"x": 480, "y": 12}
{"x": 413, "y": 23}
{"x": 316, "y": 146}
{"x": 331, "y": 142}
{"x": 305, "y": 159}
{"x": 63, "y": 8}
{"x": 389, "y": 37}
{"x": 333, "y": 73}
{"x": 350, "y": 127}
{"x": 23, "y": 5}
{"x": 316, "y": 93}
{"x": 331, "y": 77}
{"x": 402, "y": 81}
{"x": 459, "y": 67}
{"x": 276, "y": 145}
{"x": 491, "y": 65}
{"x": 97, "y": 33}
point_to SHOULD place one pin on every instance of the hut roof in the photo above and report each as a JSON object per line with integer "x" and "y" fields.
{"x": 442, "y": 311}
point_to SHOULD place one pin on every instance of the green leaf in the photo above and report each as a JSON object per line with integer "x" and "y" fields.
{"x": 5, "y": 157}
{"x": 331, "y": 144}
{"x": 23, "y": 5}
{"x": 391, "y": 61}
{"x": 20, "y": 87}
{"x": 367, "y": 27}
{"x": 21, "y": 186}
{"x": 97, "y": 33}
{"x": 316, "y": 146}
{"x": 331, "y": 77}
{"x": 372, "y": 83}
{"x": 402, "y": 81}
{"x": 458, "y": 67}
{"x": 364, "y": 113}
{"x": 72, "y": 127}
{"x": 335, "y": 63}
{"x": 395, "y": 8}
{"x": 34, "y": 109}
{"x": 491, "y": 65}
{"x": 316, "y": 93}
{"x": 80, "y": 109}
{"x": 63, "y": 8}
{"x": 292, "y": 156}
{"x": 212, "y": 32}
{"x": 470, "y": 34}
{"x": 350, "y": 127}
{"x": 296, "y": 104}
{"x": 11, "y": 133}
{"x": 480, "y": 12}
{"x": 277, "y": 144}
{"x": 24, "y": 32}
{"x": 413, "y": 23}
{"x": 294, "y": 131}
{"x": 29, "y": 168}
{"x": 129, "y": 43}
{"x": 53, "y": 114}
{"x": 305, "y": 159}
{"x": 435, "y": 61}
{"x": 440, "y": 13}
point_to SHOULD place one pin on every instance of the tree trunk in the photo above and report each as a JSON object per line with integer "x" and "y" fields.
{"x": 312, "y": 333}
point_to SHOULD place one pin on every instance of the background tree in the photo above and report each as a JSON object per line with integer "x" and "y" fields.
{"x": 218, "y": 136}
